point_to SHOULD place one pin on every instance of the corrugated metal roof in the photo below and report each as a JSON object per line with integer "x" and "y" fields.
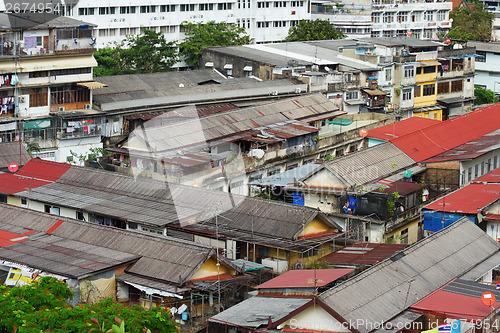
{"x": 11, "y": 184}
{"x": 287, "y": 177}
{"x": 460, "y": 299}
{"x": 42, "y": 169}
{"x": 12, "y": 152}
{"x": 255, "y": 311}
{"x": 305, "y": 278}
{"x": 436, "y": 139}
{"x": 363, "y": 254}
{"x": 367, "y": 165}
{"x": 470, "y": 199}
{"x": 381, "y": 292}
{"x": 492, "y": 177}
{"x": 166, "y": 259}
{"x": 401, "y": 128}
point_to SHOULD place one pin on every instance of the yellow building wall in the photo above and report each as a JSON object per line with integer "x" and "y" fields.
{"x": 434, "y": 114}
{"x": 412, "y": 227}
{"x": 14, "y": 201}
{"x": 425, "y": 77}
{"x": 314, "y": 227}
{"x": 425, "y": 100}
{"x": 209, "y": 268}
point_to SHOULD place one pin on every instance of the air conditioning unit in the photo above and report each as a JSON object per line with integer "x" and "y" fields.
{"x": 88, "y": 106}
{"x": 274, "y": 93}
{"x": 22, "y": 99}
{"x": 61, "y": 108}
{"x": 298, "y": 90}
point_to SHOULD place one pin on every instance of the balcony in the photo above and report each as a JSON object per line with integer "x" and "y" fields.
{"x": 346, "y": 85}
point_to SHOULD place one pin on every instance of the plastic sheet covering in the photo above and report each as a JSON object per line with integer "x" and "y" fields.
{"x": 92, "y": 291}
{"x": 151, "y": 291}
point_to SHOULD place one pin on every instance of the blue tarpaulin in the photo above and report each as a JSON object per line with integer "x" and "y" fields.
{"x": 433, "y": 220}
{"x": 298, "y": 199}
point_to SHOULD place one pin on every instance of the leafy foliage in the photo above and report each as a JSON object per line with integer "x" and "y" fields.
{"x": 199, "y": 35}
{"x": 317, "y": 264}
{"x": 92, "y": 154}
{"x": 471, "y": 24}
{"x": 484, "y": 96}
{"x": 42, "y": 307}
{"x": 313, "y": 30}
{"x": 148, "y": 52}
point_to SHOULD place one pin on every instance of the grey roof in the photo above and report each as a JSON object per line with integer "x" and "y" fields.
{"x": 67, "y": 22}
{"x": 11, "y": 152}
{"x": 65, "y": 257}
{"x": 224, "y": 125}
{"x": 259, "y": 55}
{"x": 140, "y": 90}
{"x": 478, "y": 271}
{"x": 157, "y": 203}
{"x": 381, "y": 292}
{"x": 248, "y": 265}
{"x": 255, "y": 311}
{"x": 166, "y": 259}
{"x": 485, "y": 46}
{"x": 288, "y": 177}
{"x": 365, "y": 166}
{"x": 400, "y": 41}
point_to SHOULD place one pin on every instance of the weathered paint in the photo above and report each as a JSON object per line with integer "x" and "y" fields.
{"x": 314, "y": 318}
{"x": 209, "y": 269}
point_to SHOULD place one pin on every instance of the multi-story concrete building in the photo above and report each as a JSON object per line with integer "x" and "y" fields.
{"x": 264, "y": 21}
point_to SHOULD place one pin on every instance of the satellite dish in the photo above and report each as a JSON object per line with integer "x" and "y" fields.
{"x": 259, "y": 153}
{"x": 488, "y": 299}
{"x": 327, "y": 68}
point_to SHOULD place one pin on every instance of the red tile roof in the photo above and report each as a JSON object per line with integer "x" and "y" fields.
{"x": 436, "y": 139}
{"x": 363, "y": 254}
{"x": 305, "y": 278}
{"x": 468, "y": 200}
{"x": 42, "y": 169}
{"x": 401, "y": 128}
{"x": 492, "y": 177}
{"x": 12, "y": 184}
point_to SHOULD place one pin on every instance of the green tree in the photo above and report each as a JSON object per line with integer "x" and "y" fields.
{"x": 199, "y": 35}
{"x": 313, "y": 30}
{"x": 42, "y": 307}
{"x": 148, "y": 52}
{"x": 484, "y": 96}
{"x": 471, "y": 24}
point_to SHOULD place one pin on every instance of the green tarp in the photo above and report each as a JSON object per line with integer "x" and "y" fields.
{"x": 341, "y": 122}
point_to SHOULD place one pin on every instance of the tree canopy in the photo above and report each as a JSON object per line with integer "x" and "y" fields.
{"x": 471, "y": 24}
{"x": 199, "y": 35}
{"x": 484, "y": 96}
{"x": 148, "y": 52}
{"x": 313, "y": 30}
{"x": 42, "y": 307}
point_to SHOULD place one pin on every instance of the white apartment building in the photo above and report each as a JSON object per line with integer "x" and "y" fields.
{"x": 264, "y": 20}
{"x": 424, "y": 18}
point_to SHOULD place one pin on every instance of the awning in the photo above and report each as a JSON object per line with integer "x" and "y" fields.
{"x": 341, "y": 122}
{"x": 54, "y": 63}
{"x": 37, "y": 124}
{"x": 92, "y": 85}
{"x": 228, "y": 66}
{"x": 151, "y": 291}
{"x": 247, "y": 68}
{"x": 375, "y": 92}
{"x": 428, "y": 63}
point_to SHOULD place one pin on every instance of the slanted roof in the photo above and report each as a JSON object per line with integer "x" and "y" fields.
{"x": 485, "y": 46}
{"x": 157, "y": 203}
{"x": 255, "y": 311}
{"x": 470, "y": 199}
{"x": 460, "y": 299}
{"x": 470, "y": 150}
{"x": 370, "y": 164}
{"x": 436, "y": 139}
{"x": 401, "y": 41}
{"x": 401, "y": 128}
{"x": 165, "y": 259}
{"x": 13, "y": 152}
{"x": 287, "y": 177}
{"x": 360, "y": 254}
{"x": 306, "y": 278}
{"x": 492, "y": 177}
{"x": 381, "y": 292}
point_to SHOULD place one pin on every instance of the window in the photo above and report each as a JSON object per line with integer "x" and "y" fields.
{"x": 148, "y": 9}
{"x": 482, "y": 168}
{"x": 441, "y": 15}
{"x": 79, "y": 216}
{"x": 262, "y": 24}
{"x": 388, "y": 17}
{"x": 103, "y": 32}
{"x": 33, "y": 75}
{"x": 38, "y": 98}
{"x": 482, "y": 56}
{"x": 229, "y": 71}
{"x": 376, "y": 17}
{"x": 406, "y": 94}
{"x": 388, "y": 74}
{"x": 263, "y": 4}
{"x": 170, "y": 8}
{"x": 24, "y": 201}
{"x": 469, "y": 174}
{"x": 279, "y": 24}
{"x": 297, "y": 3}
{"x": 429, "y": 16}
{"x": 416, "y": 91}
{"x": 476, "y": 171}
{"x": 404, "y": 236}
{"x": 443, "y": 88}
{"x": 495, "y": 161}
{"x": 152, "y": 230}
{"x": 278, "y": 4}
{"x": 86, "y": 11}
{"x": 402, "y": 17}
{"x": 106, "y": 10}
{"x": 429, "y": 69}
{"x": 224, "y": 6}
{"x": 409, "y": 71}
{"x": 339, "y": 152}
{"x": 416, "y": 17}
{"x": 206, "y": 6}
{"x": 457, "y": 86}
{"x": 427, "y": 33}
{"x": 187, "y": 8}
{"x": 429, "y": 89}
{"x": 351, "y": 95}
